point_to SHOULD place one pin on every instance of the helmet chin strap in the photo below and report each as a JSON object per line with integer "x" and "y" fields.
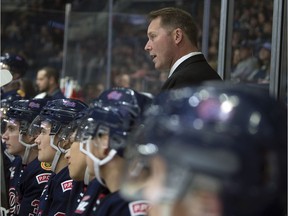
{"x": 57, "y": 154}
{"x": 28, "y": 148}
{"x": 97, "y": 163}
{"x": 86, "y": 176}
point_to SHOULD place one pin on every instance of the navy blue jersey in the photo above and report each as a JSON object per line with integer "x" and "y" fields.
{"x": 114, "y": 205}
{"x": 76, "y": 195}
{"x": 32, "y": 182}
{"x": 6, "y": 163}
{"x": 92, "y": 198}
{"x": 16, "y": 170}
{"x": 55, "y": 196}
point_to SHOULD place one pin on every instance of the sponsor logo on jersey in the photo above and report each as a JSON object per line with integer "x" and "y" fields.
{"x": 138, "y": 208}
{"x": 66, "y": 185}
{"x": 46, "y": 166}
{"x": 82, "y": 205}
{"x": 43, "y": 178}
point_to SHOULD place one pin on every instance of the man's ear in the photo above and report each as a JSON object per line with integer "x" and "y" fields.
{"x": 178, "y": 35}
{"x": 51, "y": 80}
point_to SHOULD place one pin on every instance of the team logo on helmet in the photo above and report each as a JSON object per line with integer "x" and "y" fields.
{"x": 114, "y": 95}
{"x": 34, "y": 105}
{"x": 69, "y": 103}
{"x": 46, "y": 166}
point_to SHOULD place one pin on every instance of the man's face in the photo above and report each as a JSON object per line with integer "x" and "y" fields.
{"x": 11, "y": 138}
{"x": 45, "y": 151}
{"x": 42, "y": 81}
{"x": 160, "y": 45}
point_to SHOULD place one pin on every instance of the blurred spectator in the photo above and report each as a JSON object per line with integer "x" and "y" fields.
{"x": 39, "y": 26}
{"x": 248, "y": 63}
{"x": 91, "y": 91}
{"x": 48, "y": 83}
{"x": 262, "y": 74}
{"x": 235, "y": 58}
{"x": 122, "y": 80}
{"x": 27, "y": 89}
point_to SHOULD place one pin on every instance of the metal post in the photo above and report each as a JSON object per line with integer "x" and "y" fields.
{"x": 109, "y": 47}
{"x": 225, "y": 39}
{"x": 277, "y": 45}
{"x": 67, "y": 17}
{"x": 206, "y": 26}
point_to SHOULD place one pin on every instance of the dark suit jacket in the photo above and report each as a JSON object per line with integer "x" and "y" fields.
{"x": 192, "y": 71}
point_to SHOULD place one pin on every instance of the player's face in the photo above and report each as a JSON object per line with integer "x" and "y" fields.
{"x": 76, "y": 160}
{"x": 45, "y": 151}
{"x": 160, "y": 45}
{"x": 11, "y": 138}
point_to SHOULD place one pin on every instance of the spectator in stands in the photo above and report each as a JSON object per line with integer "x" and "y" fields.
{"x": 248, "y": 63}
{"x": 47, "y": 82}
{"x": 27, "y": 89}
{"x": 91, "y": 91}
{"x": 122, "y": 80}
{"x": 262, "y": 74}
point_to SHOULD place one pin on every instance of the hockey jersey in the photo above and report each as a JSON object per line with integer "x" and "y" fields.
{"x": 55, "y": 196}
{"x": 114, "y": 205}
{"x": 92, "y": 198}
{"x": 76, "y": 195}
{"x": 32, "y": 182}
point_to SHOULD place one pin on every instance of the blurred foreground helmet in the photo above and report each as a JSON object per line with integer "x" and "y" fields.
{"x": 228, "y": 139}
{"x": 14, "y": 63}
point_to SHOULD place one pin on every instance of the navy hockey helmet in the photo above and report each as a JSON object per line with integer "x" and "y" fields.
{"x": 233, "y": 134}
{"x": 14, "y": 63}
{"x": 116, "y": 122}
{"x": 69, "y": 129}
{"x": 110, "y": 120}
{"x": 5, "y": 105}
{"x": 25, "y": 111}
{"x": 58, "y": 112}
{"x": 120, "y": 109}
{"x": 126, "y": 99}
